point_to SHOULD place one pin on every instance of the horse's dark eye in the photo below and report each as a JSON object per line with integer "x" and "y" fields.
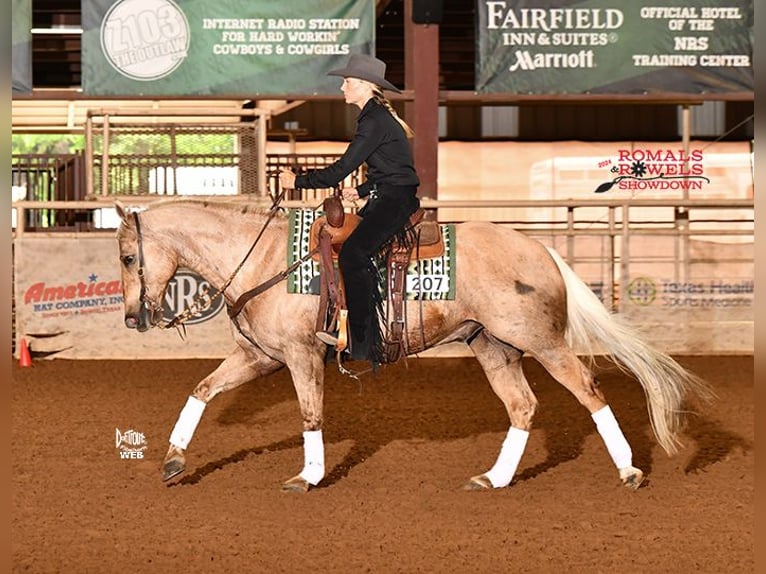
{"x": 128, "y": 260}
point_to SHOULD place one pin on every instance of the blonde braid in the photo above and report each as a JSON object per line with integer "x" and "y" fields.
{"x": 383, "y": 100}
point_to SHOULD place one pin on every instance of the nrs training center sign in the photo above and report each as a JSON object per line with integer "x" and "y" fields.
{"x": 608, "y": 47}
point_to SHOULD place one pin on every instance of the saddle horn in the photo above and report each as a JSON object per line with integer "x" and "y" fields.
{"x": 333, "y": 209}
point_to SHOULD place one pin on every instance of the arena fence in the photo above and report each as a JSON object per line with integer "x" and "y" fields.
{"x": 151, "y": 152}
{"x": 49, "y": 177}
{"x": 163, "y": 154}
{"x": 680, "y": 270}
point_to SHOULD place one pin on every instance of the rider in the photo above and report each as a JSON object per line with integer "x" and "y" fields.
{"x": 381, "y": 140}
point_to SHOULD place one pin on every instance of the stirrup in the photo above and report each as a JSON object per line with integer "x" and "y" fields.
{"x": 327, "y": 338}
{"x": 342, "y": 343}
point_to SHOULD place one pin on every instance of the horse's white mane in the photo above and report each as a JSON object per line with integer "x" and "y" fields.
{"x": 223, "y": 205}
{"x": 226, "y": 209}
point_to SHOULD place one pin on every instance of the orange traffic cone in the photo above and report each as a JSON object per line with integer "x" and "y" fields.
{"x": 25, "y": 360}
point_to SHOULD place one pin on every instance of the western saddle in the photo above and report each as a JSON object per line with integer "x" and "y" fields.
{"x": 328, "y": 233}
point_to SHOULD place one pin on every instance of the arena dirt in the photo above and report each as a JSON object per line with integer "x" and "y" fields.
{"x": 399, "y": 447}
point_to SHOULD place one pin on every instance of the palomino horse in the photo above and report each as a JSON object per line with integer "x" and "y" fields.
{"x": 513, "y": 297}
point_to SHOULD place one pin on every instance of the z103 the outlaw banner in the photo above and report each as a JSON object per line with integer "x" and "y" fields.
{"x": 611, "y": 47}
{"x": 226, "y": 47}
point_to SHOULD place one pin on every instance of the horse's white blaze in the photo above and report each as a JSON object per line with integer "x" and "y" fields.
{"x": 615, "y": 442}
{"x": 313, "y": 457}
{"x": 502, "y": 472}
{"x": 187, "y": 422}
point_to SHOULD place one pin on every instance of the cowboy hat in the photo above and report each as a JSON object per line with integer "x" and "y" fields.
{"x": 368, "y": 68}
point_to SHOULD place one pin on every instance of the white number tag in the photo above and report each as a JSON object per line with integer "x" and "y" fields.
{"x": 427, "y": 284}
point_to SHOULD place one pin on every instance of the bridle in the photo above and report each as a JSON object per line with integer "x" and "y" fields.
{"x": 205, "y": 299}
{"x": 152, "y": 308}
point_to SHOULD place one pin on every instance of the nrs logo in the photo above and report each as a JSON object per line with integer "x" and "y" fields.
{"x": 131, "y": 443}
{"x": 181, "y": 293}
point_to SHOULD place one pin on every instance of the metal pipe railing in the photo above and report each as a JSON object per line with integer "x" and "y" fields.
{"x": 615, "y": 267}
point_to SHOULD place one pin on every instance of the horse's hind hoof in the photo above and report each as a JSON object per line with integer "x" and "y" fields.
{"x": 631, "y": 477}
{"x": 296, "y": 484}
{"x": 480, "y": 482}
{"x": 172, "y": 468}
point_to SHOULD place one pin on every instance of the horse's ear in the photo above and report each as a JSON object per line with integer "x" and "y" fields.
{"x": 122, "y": 211}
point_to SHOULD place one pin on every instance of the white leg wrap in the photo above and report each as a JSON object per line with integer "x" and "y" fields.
{"x": 187, "y": 422}
{"x": 313, "y": 457}
{"x": 513, "y": 447}
{"x": 615, "y": 442}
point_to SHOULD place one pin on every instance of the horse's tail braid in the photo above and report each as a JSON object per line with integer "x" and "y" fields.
{"x": 592, "y": 330}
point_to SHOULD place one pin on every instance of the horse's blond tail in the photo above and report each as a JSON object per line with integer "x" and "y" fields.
{"x": 593, "y": 330}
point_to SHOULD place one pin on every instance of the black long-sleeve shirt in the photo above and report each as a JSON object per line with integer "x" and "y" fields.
{"x": 379, "y": 141}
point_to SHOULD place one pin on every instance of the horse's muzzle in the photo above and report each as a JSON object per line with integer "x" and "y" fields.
{"x": 139, "y": 322}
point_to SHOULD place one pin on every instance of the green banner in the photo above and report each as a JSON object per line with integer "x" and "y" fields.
{"x": 21, "y": 48}
{"x": 613, "y": 47}
{"x": 225, "y": 47}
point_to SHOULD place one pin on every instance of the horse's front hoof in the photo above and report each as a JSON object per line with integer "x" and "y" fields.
{"x": 480, "y": 482}
{"x": 172, "y": 468}
{"x": 631, "y": 477}
{"x": 296, "y": 484}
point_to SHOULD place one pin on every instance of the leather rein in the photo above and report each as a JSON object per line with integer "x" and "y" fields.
{"x": 204, "y": 299}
